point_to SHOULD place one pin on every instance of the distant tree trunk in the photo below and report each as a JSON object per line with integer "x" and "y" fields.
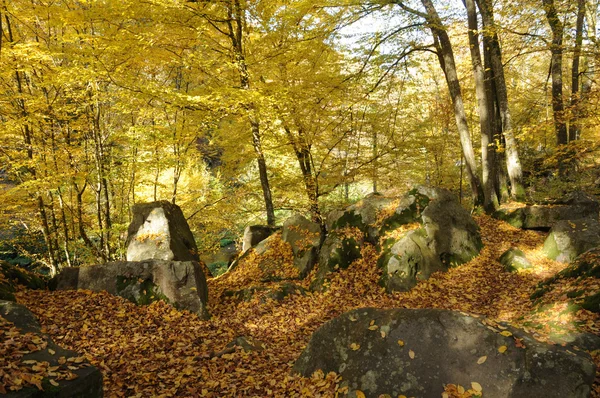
{"x": 574, "y": 128}
{"x": 558, "y": 108}
{"x": 446, "y": 59}
{"x": 513, "y": 163}
{"x": 311, "y": 184}
{"x": 235, "y": 33}
{"x": 490, "y": 203}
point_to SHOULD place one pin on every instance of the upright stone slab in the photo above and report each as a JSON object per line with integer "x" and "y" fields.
{"x": 415, "y": 352}
{"x": 254, "y": 234}
{"x": 304, "y": 236}
{"x": 180, "y": 283}
{"x": 160, "y": 231}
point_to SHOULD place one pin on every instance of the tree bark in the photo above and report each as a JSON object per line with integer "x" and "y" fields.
{"x": 513, "y": 163}
{"x": 490, "y": 203}
{"x": 235, "y": 33}
{"x": 575, "y": 114}
{"x": 558, "y": 108}
{"x": 446, "y": 59}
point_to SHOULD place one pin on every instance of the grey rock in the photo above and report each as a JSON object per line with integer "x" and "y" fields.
{"x": 570, "y": 238}
{"x": 254, "y": 234}
{"x": 160, "y": 231}
{"x": 180, "y": 283}
{"x": 89, "y": 379}
{"x": 304, "y": 236}
{"x": 337, "y": 252}
{"x": 410, "y": 260}
{"x": 514, "y": 259}
{"x": 543, "y": 216}
{"x": 446, "y": 346}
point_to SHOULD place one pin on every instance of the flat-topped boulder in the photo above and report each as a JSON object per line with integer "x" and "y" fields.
{"x": 415, "y": 352}
{"x": 543, "y": 216}
{"x": 31, "y": 355}
{"x": 180, "y": 283}
{"x": 570, "y": 238}
{"x": 160, "y": 231}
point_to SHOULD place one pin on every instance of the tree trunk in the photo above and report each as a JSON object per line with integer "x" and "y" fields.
{"x": 235, "y": 33}
{"x": 513, "y": 163}
{"x": 490, "y": 203}
{"x": 558, "y": 107}
{"x": 575, "y": 114}
{"x": 446, "y": 59}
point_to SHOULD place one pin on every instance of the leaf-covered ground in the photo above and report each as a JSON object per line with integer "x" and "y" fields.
{"x": 159, "y": 351}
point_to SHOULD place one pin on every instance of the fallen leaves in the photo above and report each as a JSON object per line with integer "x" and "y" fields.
{"x": 152, "y": 350}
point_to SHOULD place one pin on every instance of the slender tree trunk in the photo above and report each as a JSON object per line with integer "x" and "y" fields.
{"x": 575, "y": 114}
{"x": 446, "y": 59}
{"x": 556, "y": 48}
{"x": 311, "y": 185}
{"x": 235, "y": 32}
{"x": 513, "y": 163}
{"x": 487, "y": 159}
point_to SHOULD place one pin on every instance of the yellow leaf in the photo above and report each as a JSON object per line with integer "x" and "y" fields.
{"x": 352, "y": 318}
{"x": 481, "y": 360}
{"x": 411, "y": 354}
{"x": 54, "y": 383}
{"x": 372, "y": 322}
{"x": 373, "y": 327}
{"x": 460, "y": 389}
{"x": 476, "y": 386}
{"x": 502, "y": 349}
{"x": 401, "y": 396}
{"x": 506, "y": 333}
{"x": 354, "y": 346}
{"x": 51, "y": 351}
{"x": 382, "y": 334}
{"x": 445, "y": 395}
{"x": 360, "y": 394}
{"x": 401, "y": 343}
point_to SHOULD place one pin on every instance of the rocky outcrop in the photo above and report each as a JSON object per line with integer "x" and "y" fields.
{"x": 160, "y": 231}
{"x": 12, "y": 275}
{"x": 180, "y": 283}
{"x": 570, "y": 238}
{"x": 254, "y": 234}
{"x": 72, "y": 375}
{"x": 514, "y": 259}
{"x": 582, "y": 290}
{"x": 445, "y": 235}
{"x": 543, "y": 216}
{"x": 415, "y": 352}
{"x": 339, "y": 250}
{"x": 304, "y": 237}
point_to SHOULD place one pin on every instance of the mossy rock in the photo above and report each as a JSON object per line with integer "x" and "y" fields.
{"x": 140, "y": 292}
{"x": 514, "y": 259}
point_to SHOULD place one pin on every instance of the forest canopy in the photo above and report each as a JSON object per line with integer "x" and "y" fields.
{"x": 245, "y": 111}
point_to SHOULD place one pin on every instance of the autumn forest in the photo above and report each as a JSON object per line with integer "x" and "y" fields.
{"x": 392, "y": 152}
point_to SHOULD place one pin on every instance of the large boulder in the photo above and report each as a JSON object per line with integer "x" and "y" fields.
{"x": 570, "y": 238}
{"x": 160, "y": 231}
{"x": 33, "y": 353}
{"x": 254, "y": 234}
{"x": 339, "y": 250}
{"x": 409, "y": 260}
{"x": 443, "y": 235}
{"x": 180, "y": 283}
{"x": 304, "y": 237}
{"x": 514, "y": 259}
{"x": 415, "y": 352}
{"x": 543, "y": 216}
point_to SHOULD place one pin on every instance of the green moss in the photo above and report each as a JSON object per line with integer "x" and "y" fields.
{"x": 218, "y": 268}
{"x": 575, "y": 294}
{"x": 409, "y": 215}
{"x": 6, "y": 293}
{"x": 345, "y": 255}
{"x": 21, "y": 277}
{"x": 550, "y": 247}
{"x": 139, "y": 292}
{"x": 592, "y": 303}
{"x": 350, "y": 219}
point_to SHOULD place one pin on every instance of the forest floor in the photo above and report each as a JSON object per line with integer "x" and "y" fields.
{"x": 159, "y": 351}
